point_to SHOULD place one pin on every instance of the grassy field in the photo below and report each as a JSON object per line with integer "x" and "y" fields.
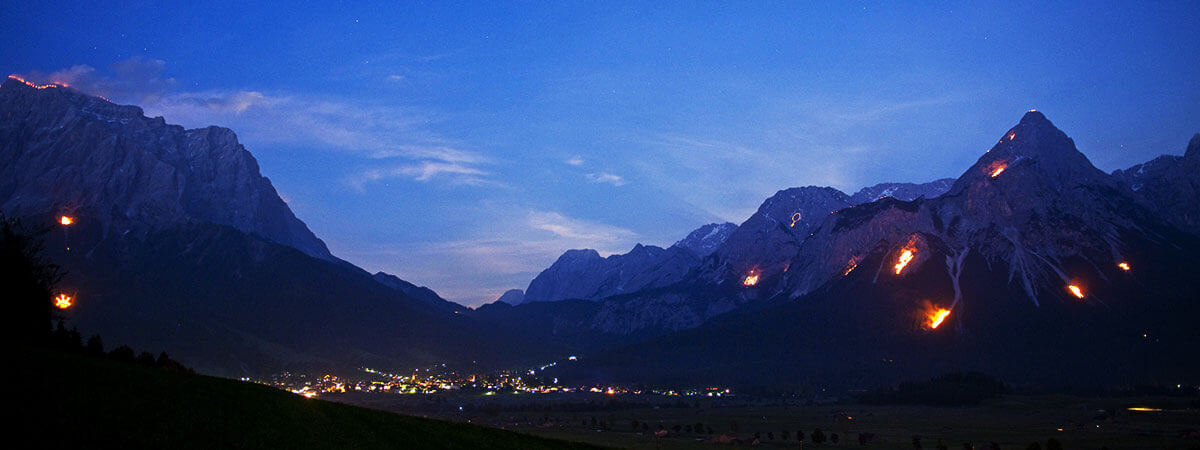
{"x": 75, "y": 401}
{"x": 1012, "y": 422}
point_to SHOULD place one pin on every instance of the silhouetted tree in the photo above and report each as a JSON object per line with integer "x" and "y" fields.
{"x": 95, "y": 345}
{"x": 123, "y": 354}
{"x": 699, "y": 427}
{"x": 1053, "y": 444}
{"x": 677, "y": 428}
{"x": 1033, "y": 446}
{"x": 994, "y": 446}
{"x": 818, "y": 436}
{"x": 145, "y": 359}
{"x": 770, "y": 435}
{"x": 833, "y": 437}
{"x": 784, "y": 435}
{"x": 27, "y": 281}
{"x": 635, "y": 424}
{"x": 800, "y": 435}
{"x": 916, "y": 441}
{"x": 941, "y": 446}
{"x": 968, "y": 446}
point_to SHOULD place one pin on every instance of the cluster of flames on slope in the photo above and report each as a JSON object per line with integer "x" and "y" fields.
{"x": 996, "y": 168}
{"x": 907, "y": 254}
{"x": 37, "y": 86}
{"x": 933, "y": 316}
{"x": 851, "y": 265}
{"x": 751, "y": 278}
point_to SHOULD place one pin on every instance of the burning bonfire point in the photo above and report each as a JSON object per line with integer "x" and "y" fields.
{"x": 1075, "y": 290}
{"x": 795, "y": 218}
{"x": 1124, "y": 266}
{"x": 906, "y": 256}
{"x": 751, "y": 279}
{"x": 66, "y": 220}
{"x": 63, "y": 301}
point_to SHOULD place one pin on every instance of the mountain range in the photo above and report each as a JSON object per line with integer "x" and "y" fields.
{"x": 1031, "y": 265}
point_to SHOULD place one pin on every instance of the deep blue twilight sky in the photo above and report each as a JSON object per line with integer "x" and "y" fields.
{"x": 464, "y": 146}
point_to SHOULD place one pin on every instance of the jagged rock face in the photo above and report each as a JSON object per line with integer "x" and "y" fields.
{"x": 902, "y": 191}
{"x": 766, "y": 243}
{"x": 706, "y": 239}
{"x": 1169, "y": 185}
{"x": 1029, "y": 205}
{"x": 422, "y": 293}
{"x": 512, "y": 297}
{"x": 584, "y": 274}
{"x": 64, "y": 152}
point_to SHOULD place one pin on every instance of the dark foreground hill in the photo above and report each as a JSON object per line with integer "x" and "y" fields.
{"x": 74, "y": 401}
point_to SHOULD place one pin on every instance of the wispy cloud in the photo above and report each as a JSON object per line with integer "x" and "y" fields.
{"x": 424, "y": 171}
{"x": 605, "y": 177}
{"x": 574, "y": 161}
{"x": 399, "y": 139}
{"x": 510, "y": 253}
{"x": 590, "y": 235}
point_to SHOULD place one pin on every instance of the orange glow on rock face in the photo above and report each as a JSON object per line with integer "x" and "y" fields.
{"x": 1075, "y": 290}
{"x": 66, "y": 220}
{"x": 63, "y": 301}
{"x": 1124, "y": 266}
{"x": 751, "y": 279}
{"x": 998, "y": 171}
{"x": 906, "y": 256}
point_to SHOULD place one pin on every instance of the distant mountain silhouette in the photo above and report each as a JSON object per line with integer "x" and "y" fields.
{"x": 179, "y": 243}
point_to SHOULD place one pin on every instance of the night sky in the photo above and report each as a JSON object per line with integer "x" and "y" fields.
{"x": 465, "y": 146}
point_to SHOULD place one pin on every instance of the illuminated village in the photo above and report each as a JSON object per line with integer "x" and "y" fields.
{"x": 439, "y": 379}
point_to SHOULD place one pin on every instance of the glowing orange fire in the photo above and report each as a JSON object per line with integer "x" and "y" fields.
{"x": 998, "y": 171}
{"x": 905, "y": 257}
{"x": 751, "y": 279}
{"x": 1012, "y": 135}
{"x": 37, "y": 86}
{"x": 795, "y": 218}
{"x": 66, "y": 220}
{"x": 1124, "y": 266}
{"x": 1075, "y": 290}
{"x": 63, "y": 301}
{"x": 933, "y": 315}
{"x": 938, "y": 317}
